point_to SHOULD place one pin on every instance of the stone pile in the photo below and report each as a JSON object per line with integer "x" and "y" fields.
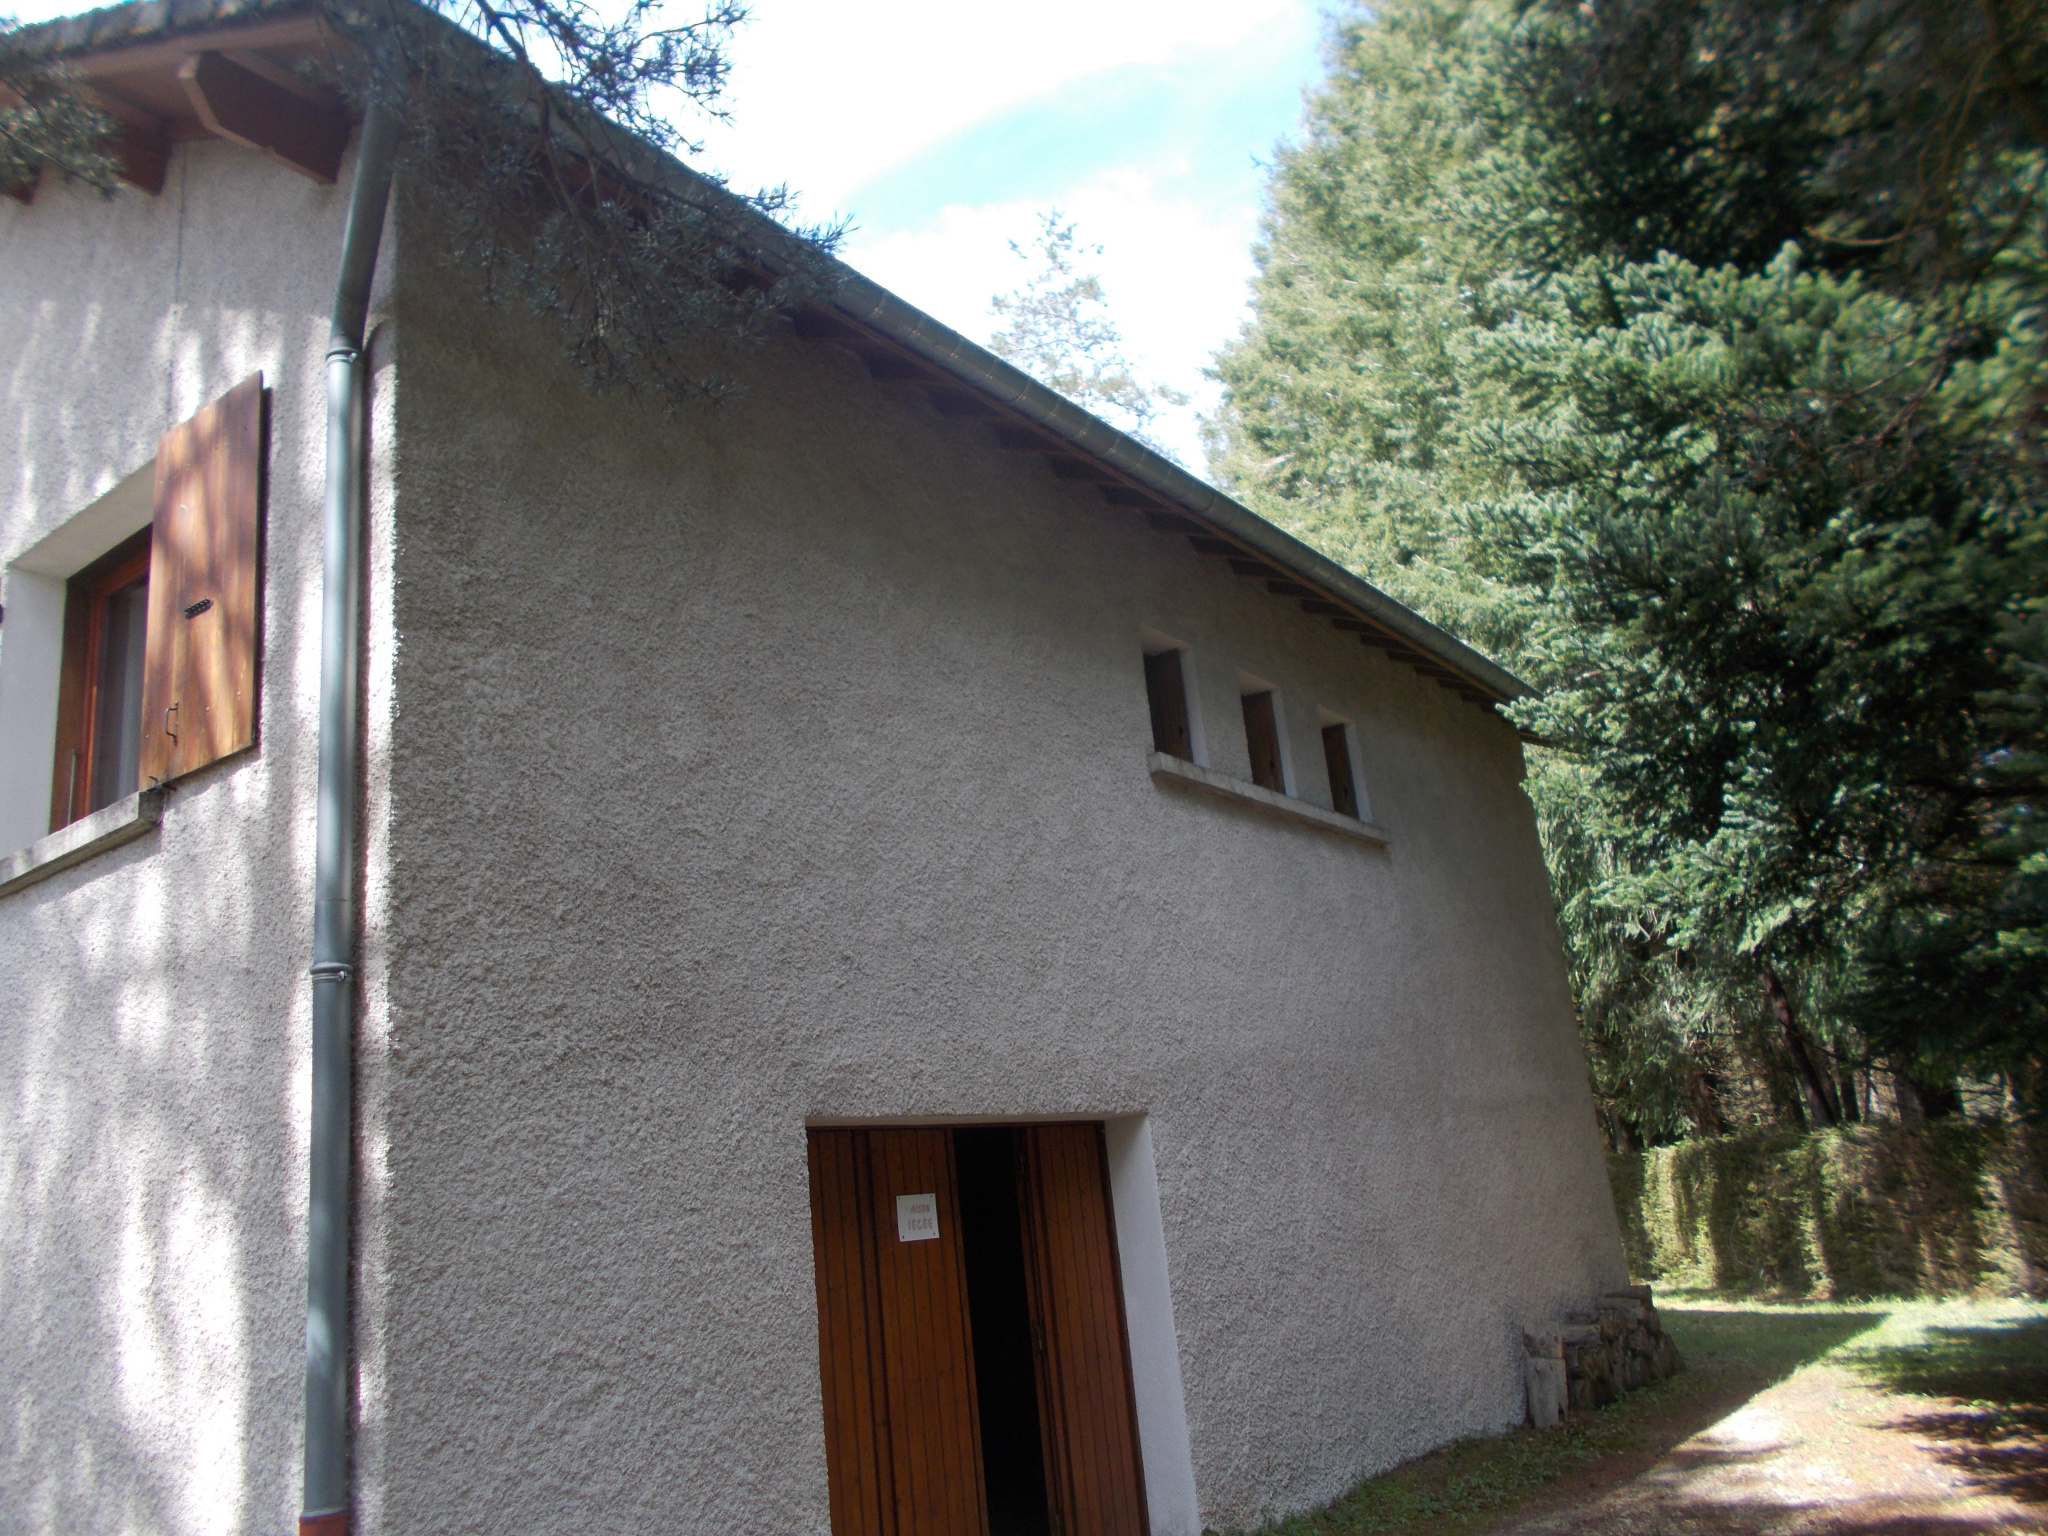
{"x": 1615, "y": 1347}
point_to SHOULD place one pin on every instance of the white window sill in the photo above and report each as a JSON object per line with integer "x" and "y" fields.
{"x": 121, "y": 822}
{"x": 1174, "y": 770}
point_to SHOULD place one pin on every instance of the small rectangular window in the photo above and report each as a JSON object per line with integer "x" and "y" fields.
{"x": 1337, "y": 757}
{"x": 1262, "y": 736}
{"x": 1166, "y": 691}
{"x": 99, "y": 728}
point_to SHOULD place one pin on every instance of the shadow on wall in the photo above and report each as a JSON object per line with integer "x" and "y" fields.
{"x": 151, "y": 1167}
{"x": 150, "y": 1269}
{"x": 1876, "y": 1210}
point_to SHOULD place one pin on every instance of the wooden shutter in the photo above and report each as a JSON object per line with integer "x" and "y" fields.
{"x": 199, "y": 678}
{"x": 895, "y": 1347}
{"x": 1166, "y": 691}
{"x": 1094, "y": 1481}
{"x": 1337, "y": 758}
{"x": 1262, "y": 736}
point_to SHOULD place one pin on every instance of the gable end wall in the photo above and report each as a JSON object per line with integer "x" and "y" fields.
{"x": 790, "y": 763}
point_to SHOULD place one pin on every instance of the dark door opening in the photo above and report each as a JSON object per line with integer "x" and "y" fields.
{"x": 999, "y": 1304}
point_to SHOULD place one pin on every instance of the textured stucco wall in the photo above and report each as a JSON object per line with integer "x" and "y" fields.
{"x": 153, "y": 1007}
{"x": 791, "y": 764}
{"x": 724, "y": 772}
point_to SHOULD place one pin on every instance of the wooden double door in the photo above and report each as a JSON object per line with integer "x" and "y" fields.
{"x": 975, "y": 1362}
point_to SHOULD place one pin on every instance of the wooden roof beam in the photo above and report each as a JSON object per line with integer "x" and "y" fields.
{"x": 142, "y": 156}
{"x": 960, "y": 402}
{"x": 301, "y": 32}
{"x": 139, "y": 143}
{"x": 816, "y": 325}
{"x": 238, "y": 104}
{"x": 1145, "y": 501}
{"x": 892, "y": 366}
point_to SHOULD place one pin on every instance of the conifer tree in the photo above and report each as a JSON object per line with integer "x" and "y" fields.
{"x": 1058, "y": 328}
{"x": 1730, "y": 419}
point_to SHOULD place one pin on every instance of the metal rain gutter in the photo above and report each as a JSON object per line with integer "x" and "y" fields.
{"x": 325, "y": 1509}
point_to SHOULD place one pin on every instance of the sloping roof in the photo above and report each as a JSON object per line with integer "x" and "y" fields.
{"x": 128, "y": 57}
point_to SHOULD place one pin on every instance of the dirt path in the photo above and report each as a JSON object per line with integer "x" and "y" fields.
{"x": 1908, "y": 1438}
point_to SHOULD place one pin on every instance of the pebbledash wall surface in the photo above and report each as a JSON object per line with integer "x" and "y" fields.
{"x": 727, "y": 773}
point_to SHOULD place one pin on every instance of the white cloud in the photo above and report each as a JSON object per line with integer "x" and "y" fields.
{"x": 827, "y": 95}
{"x": 1174, "y": 274}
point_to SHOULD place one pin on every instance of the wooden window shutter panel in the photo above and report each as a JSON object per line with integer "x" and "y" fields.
{"x": 199, "y": 672}
{"x": 1262, "y": 737}
{"x": 1337, "y": 758}
{"x": 1166, "y": 692}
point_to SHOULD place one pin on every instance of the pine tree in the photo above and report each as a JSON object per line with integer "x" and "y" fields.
{"x": 1058, "y": 329}
{"x": 1692, "y": 355}
{"x": 1341, "y": 393}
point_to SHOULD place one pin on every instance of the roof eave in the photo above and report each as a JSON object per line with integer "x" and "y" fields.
{"x": 870, "y": 304}
{"x": 867, "y": 305}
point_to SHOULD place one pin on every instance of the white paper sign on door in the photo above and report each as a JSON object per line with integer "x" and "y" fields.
{"x": 917, "y": 1218}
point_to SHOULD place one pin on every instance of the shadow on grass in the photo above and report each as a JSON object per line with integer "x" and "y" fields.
{"x": 1995, "y": 1378}
{"x": 1732, "y": 1353}
{"x": 1761, "y": 1341}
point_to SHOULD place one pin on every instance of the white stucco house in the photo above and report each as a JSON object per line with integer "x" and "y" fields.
{"x": 914, "y": 967}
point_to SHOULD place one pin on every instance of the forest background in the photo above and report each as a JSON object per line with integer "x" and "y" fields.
{"x": 1688, "y": 356}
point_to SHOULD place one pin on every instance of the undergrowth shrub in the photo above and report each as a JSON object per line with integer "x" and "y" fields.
{"x": 1934, "y": 1209}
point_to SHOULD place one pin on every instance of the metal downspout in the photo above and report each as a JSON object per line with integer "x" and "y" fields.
{"x": 326, "y": 1505}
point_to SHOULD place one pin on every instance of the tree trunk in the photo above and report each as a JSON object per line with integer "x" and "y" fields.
{"x": 1704, "y": 1101}
{"x": 1820, "y": 1097}
{"x": 1904, "y": 1100}
{"x": 1845, "y": 1094}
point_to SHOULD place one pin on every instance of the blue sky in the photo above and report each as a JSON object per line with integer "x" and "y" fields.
{"x": 941, "y": 129}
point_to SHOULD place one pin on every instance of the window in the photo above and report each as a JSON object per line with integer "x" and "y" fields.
{"x": 1166, "y": 691}
{"x": 99, "y": 700}
{"x": 159, "y": 646}
{"x": 1337, "y": 758}
{"x": 1262, "y": 737}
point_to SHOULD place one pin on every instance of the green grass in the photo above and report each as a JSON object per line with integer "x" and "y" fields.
{"x": 1987, "y": 1364}
{"x": 1732, "y": 1351}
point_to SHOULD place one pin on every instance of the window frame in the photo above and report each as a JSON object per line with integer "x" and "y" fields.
{"x": 81, "y": 677}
